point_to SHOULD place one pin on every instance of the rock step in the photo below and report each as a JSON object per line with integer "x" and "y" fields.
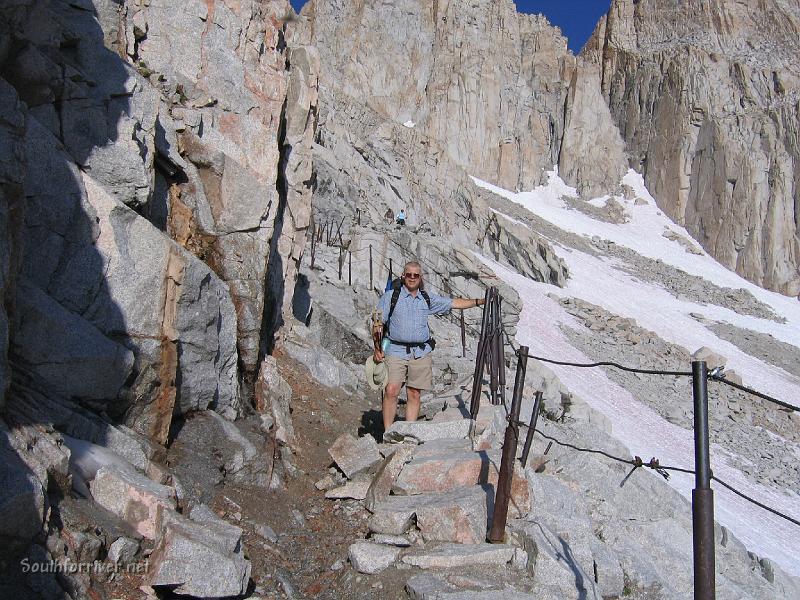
{"x": 426, "y": 431}
{"x": 456, "y": 516}
{"x": 452, "y": 586}
{"x": 448, "y": 556}
{"x": 449, "y": 470}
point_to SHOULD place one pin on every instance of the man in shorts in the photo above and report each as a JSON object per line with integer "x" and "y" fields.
{"x": 408, "y": 354}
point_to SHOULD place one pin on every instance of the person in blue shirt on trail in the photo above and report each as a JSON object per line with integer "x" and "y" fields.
{"x": 407, "y": 354}
{"x": 401, "y": 217}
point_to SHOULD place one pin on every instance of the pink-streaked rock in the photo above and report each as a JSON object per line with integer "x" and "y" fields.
{"x": 450, "y": 470}
{"x": 134, "y": 498}
{"x": 456, "y": 516}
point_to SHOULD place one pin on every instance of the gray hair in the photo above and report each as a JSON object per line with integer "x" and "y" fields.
{"x": 412, "y": 263}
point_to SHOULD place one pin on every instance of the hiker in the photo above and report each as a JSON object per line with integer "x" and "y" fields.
{"x": 407, "y": 340}
{"x": 401, "y": 217}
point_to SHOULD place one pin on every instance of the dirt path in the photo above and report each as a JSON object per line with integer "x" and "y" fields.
{"x": 313, "y": 533}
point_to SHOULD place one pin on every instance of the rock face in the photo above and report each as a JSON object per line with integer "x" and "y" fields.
{"x": 486, "y": 81}
{"x": 242, "y": 111}
{"x": 12, "y": 128}
{"x": 592, "y": 156}
{"x": 154, "y": 193}
{"x": 705, "y": 95}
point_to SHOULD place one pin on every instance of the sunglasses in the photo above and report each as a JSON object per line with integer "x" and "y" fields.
{"x": 411, "y": 275}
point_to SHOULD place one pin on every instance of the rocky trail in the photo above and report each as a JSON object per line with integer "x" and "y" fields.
{"x": 183, "y": 411}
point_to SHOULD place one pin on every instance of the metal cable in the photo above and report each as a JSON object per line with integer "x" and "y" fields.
{"x": 753, "y": 501}
{"x": 718, "y": 378}
{"x": 721, "y": 379}
{"x": 611, "y": 364}
{"x": 662, "y": 470}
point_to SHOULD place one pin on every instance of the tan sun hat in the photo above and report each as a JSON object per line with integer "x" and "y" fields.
{"x": 377, "y": 374}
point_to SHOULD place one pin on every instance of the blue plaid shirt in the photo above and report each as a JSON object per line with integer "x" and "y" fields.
{"x": 410, "y": 320}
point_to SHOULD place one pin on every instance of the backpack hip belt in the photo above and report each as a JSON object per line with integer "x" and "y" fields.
{"x": 409, "y": 345}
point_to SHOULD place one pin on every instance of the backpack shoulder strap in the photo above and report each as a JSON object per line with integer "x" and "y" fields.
{"x": 392, "y": 304}
{"x": 427, "y": 297}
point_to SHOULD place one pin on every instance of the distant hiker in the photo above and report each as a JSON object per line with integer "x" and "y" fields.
{"x": 401, "y": 217}
{"x": 389, "y": 215}
{"x": 406, "y": 341}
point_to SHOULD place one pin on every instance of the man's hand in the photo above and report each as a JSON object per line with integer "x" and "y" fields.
{"x": 378, "y": 355}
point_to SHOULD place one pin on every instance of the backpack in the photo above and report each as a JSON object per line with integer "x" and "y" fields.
{"x": 397, "y": 285}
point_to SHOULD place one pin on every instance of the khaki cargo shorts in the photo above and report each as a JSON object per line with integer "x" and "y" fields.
{"x": 415, "y": 372}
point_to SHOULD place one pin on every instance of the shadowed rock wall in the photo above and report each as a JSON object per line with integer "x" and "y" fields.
{"x": 160, "y": 156}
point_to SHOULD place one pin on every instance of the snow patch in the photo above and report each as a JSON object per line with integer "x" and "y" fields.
{"x": 601, "y": 281}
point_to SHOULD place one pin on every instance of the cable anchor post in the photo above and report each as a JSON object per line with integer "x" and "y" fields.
{"x": 702, "y": 494}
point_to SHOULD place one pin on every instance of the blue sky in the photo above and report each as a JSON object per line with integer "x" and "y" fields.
{"x": 576, "y": 18}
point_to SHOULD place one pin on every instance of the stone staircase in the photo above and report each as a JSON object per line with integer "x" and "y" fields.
{"x": 430, "y": 489}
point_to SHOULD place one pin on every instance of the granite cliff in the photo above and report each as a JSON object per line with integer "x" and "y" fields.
{"x": 705, "y": 95}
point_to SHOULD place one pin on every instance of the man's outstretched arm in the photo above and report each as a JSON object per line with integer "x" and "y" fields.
{"x": 462, "y": 303}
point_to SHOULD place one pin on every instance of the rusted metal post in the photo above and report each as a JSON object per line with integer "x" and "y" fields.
{"x": 463, "y": 337}
{"x": 350, "y": 267}
{"x": 370, "y": 267}
{"x": 702, "y": 494}
{"x": 537, "y": 406}
{"x": 341, "y": 261}
{"x": 504, "y": 480}
{"x": 477, "y": 376}
{"x": 501, "y": 373}
{"x": 494, "y": 380}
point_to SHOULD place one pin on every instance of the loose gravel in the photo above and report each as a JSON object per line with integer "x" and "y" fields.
{"x": 760, "y": 345}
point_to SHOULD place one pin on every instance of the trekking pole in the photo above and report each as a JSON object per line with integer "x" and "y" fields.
{"x": 370, "y": 266}
{"x": 537, "y": 406}
{"x": 350, "y": 268}
{"x": 505, "y": 478}
{"x": 391, "y": 269}
{"x": 702, "y": 494}
{"x": 341, "y": 260}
